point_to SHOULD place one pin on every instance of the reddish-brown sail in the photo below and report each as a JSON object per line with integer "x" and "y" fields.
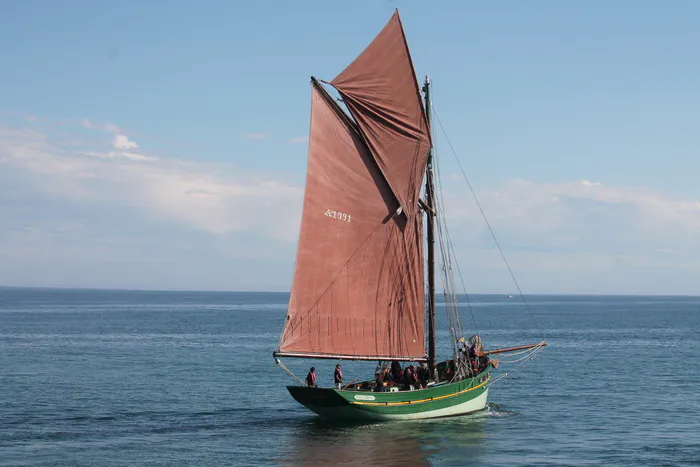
{"x": 380, "y": 90}
{"x": 358, "y": 282}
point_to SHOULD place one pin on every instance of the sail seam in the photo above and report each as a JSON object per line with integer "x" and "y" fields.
{"x": 350, "y": 121}
{"x": 370, "y": 149}
{"x": 415, "y": 79}
{"x": 295, "y": 322}
{"x": 308, "y": 312}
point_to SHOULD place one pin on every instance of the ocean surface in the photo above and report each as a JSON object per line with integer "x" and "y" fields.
{"x": 187, "y": 378}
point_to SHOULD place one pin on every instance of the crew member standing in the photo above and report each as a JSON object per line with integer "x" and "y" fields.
{"x": 311, "y": 378}
{"x": 338, "y": 377}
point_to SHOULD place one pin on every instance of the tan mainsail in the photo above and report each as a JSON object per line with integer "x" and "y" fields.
{"x": 381, "y": 92}
{"x": 358, "y": 288}
{"x": 358, "y": 282}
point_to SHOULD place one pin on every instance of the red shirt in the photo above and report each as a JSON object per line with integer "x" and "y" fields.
{"x": 311, "y": 378}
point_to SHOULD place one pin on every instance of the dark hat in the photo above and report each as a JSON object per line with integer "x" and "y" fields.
{"x": 312, "y": 369}
{"x": 337, "y": 365}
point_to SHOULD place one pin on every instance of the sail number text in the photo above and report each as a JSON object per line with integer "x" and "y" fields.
{"x": 341, "y": 216}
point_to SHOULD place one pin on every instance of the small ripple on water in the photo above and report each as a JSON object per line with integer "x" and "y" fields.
{"x": 496, "y": 410}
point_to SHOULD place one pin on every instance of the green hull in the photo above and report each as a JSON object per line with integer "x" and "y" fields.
{"x": 442, "y": 400}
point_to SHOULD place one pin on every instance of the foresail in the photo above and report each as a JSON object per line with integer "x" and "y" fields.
{"x": 358, "y": 281}
{"x": 380, "y": 90}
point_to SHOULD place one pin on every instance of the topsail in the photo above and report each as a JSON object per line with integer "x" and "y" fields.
{"x": 381, "y": 92}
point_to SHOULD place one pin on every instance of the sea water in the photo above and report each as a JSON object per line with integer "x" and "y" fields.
{"x": 187, "y": 378}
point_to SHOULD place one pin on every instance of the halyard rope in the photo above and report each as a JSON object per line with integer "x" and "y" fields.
{"x": 483, "y": 215}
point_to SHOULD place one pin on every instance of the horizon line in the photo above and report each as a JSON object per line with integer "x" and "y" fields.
{"x": 514, "y": 296}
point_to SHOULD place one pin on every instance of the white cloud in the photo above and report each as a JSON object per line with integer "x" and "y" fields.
{"x": 213, "y": 198}
{"x": 299, "y": 140}
{"x": 542, "y": 206}
{"x": 122, "y": 142}
{"x": 104, "y": 126}
{"x": 578, "y": 237}
{"x": 219, "y": 202}
{"x": 133, "y": 156}
{"x": 255, "y": 136}
{"x": 24, "y": 116}
{"x": 117, "y": 154}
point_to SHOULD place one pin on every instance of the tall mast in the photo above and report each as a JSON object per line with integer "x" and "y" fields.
{"x": 430, "y": 202}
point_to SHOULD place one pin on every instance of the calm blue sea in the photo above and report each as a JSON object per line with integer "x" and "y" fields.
{"x": 182, "y": 378}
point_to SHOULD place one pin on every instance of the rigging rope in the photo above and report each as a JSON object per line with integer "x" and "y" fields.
{"x": 277, "y": 360}
{"x": 488, "y": 224}
{"x": 450, "y": 297}
{"x": 459, "y": 270}
{"x": 449, "y": 250}
{"x": 522, "y": 361}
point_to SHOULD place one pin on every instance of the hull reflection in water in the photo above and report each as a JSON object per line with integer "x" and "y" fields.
{"x": 326, "y": 443}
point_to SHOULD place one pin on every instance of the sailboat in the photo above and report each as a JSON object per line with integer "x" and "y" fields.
{"x": 359, "y": 285}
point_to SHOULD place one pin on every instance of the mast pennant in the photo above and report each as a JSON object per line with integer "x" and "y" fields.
{"x": 358, "y": 288}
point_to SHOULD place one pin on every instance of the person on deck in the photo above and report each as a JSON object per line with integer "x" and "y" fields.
{"x": 379, "y": 384}
{"x": 338, "y": 377}
{"x": 311, "y": 378}
{"x": 396, "y": 372}
{"x": 450, "y": 372}
{"x": 423, "y": 375}
{"x": 409, "y": 377}
{"x": 475, "y": 365}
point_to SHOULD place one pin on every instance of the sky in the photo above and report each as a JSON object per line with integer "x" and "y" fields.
{"x": 162, "y": 144}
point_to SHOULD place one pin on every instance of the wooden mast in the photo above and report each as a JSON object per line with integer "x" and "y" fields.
{"x": 430, "y": 227}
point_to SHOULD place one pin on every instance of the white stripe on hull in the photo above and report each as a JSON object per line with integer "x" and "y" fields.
{"x": 354, "y": 412}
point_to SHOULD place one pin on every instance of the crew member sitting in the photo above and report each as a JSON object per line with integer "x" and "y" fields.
{"x": 423, "y": 375}
{"x": 450, "y": 371}
{"x": 379, "y": 385}
{"x": 396, "y": 372}
{"x": 409, "y": 377}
